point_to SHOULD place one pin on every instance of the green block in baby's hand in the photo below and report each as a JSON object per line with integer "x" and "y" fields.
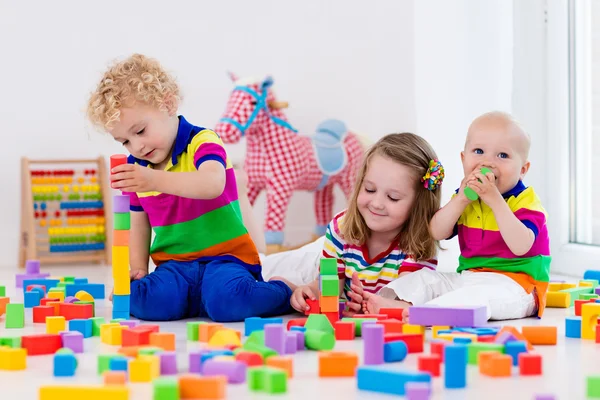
{"x": 470, "y": 193}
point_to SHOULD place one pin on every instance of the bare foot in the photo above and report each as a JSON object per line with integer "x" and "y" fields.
{"x": 279, "y": 278}
{"x": 373, "y": 303}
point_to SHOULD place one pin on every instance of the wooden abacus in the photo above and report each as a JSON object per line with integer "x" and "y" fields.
{"x": 66, "y": 212}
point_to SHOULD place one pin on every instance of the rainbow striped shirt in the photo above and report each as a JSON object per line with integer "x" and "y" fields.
{"x": 375, "y": 272}
{"x": 482, "y": 247}
{"x": 192, "y": 229}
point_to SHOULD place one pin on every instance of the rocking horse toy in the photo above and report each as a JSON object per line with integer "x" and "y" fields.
{"x": 280, "y": 161}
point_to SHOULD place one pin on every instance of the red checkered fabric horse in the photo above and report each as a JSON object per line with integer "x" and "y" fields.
{"x": 280, "y": 161}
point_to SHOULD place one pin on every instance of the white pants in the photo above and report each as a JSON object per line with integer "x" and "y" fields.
{"x": 299, "y": 266}
{"x": 503, "y": 297}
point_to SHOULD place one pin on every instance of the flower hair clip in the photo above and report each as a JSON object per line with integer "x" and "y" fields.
{"x": 434, "y": 176}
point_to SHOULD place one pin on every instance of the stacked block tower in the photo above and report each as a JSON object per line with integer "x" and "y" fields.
{"x": 120, "y": 249}
{"x": 329, "y": 286}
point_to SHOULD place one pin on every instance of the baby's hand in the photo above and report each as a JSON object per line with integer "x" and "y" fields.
{"x": 485, "y": 187}
{"x": 299, "y": 295}
{"x": 132, "y": 178}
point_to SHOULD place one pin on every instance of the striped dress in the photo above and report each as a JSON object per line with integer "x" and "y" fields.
{"x": 192, "y": 229}
{"x": 373, "y": 272}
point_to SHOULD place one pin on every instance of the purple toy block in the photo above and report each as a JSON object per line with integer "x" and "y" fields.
{"x": 373, "y": 344}
{"x": 71, "y": 299}
{"x": 168, "y": 363}
{"x": 291, "y": 345}
{"x": 21, "y": 277}
{"x": 235, "y": 371}
{"x": 341, "y": 308}
{"x": 195, "y": 358}
{"x": 121, "y": 203}
{"x": 32, "y": 267}
{"x": 72, "y": 340}
{"x": 505, "y": 337}
{"x": 451, "y": 316}
{"x": 130, "y": 324}
{"x": 597, "y": 290}
{"x": 275, "y": 337}
{"x": 417, "y": 390}
{"x": 299, "y": 335}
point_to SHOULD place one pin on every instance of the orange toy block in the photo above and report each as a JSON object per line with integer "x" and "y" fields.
{"x": 499, "y": 365}
{"x": 329, "y": 304}
{"x": 207, "y": 330}
{"x": 120, "y": 237}
{"x": 115, "y": 377}
{"x": 285, "y": 363}
{"x": 3, "y": 302}
{"x": 205, "y": 387}
{"x": 164, "y": 340}
{"x": 337, "y": 363}
{"x": 518, "y": 335}
{"x": 540, "y": 334}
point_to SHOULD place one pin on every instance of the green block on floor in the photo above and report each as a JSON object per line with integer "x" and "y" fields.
{"x": 330, "y": 285}
{"x": 263, "y": 350}
{"x": 96, "y": 322}
{"x": 61, "y": 284}
{"x": 2, "y": 291}
{"x": 275, "y": 380}
{"x": 69, "y": 279}
{"x": 15, "y": 316}
{"x": 149, "y": 351}
{"x": 357, "y": 324}
{"x": 121, "y": 221}
{"x": 318, "y": 322}
{"x": 588, "y": 296}
{"x": 328, "y": 266}
{"x": 593, "y": 387}
{"x": 104, "y": 362}
{"x": 255, "y": 377}
{"x": 256, "y": 337}
{"x": 473, "y": 350}
{"x": 58, "y": 289}
{"x": 14, "y": 342}
{"x": 319, "y": 340}
{"x": 193, "y": 330}
{"x": 576, "y": 292}
{"x": 166, "y": 389}
{"x": 117, "y": 320}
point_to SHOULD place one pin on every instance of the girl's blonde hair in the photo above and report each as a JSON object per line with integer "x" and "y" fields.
{"x": 415, "y": 238}
{"x": 137, "y": 78}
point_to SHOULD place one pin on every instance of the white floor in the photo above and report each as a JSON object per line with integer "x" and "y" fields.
{"x": 565, "y": 366}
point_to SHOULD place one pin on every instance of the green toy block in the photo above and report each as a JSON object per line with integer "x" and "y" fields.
{"x": 2, "y": 291}
{"x": 15, "y": 315}
{"x": 62, "y": 289}
{"x": 166, "y": 389}
{"x": 275, "y": 380}
{"x": 594, "y": 282}
{"x": 122, "y": 221}
{"x": 61, "y": 284}
{"x": 475, "y": 348}
{"x": 104, "y": 362}
{"x": 149, "y": 351}
{"x": 318, "y": 322}
{"x": 328, "y": 266}
{"x": 69, "y": 279}
{"x": 257, "y": 337}
{"x": 193, "y": 330}
{"x": 588, "y": 296}
{"x": 96, "y": 322}
{"x": 14, "y": 342}
{"x": 319, "y": 340}
{"x": 357, "y": 324}
{"x": 263, "y": 350}
{"x": 576, "y": 292}
{"x": 330, "y": 285}
{"x": 256, "y": 377}
{"x": 593, "y": 387}
{"x": 117, "y": 320}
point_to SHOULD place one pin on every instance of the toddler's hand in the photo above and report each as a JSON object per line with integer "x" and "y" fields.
{"x": 485, "y": 187}
{"x": 132, "y": 178}
{"x": 355, "y": 297}
{"x": 299, "y": 295}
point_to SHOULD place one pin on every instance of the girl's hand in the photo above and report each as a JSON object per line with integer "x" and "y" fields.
{"x": 356, "y": 297}
{"x": 299, "y": 296}
{"x": 132, "y": 178}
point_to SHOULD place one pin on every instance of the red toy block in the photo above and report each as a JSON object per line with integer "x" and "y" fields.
{"x": 579, "y": 303}
{"x": 75, "y": 311}
{"x": 530, "y": 364}
{"x": 395, "y": 313}
{"x": 47, "y": 300}
{"x": 486, "y": 338}
{"x": 137, "y": 336}
{"x": 438, "y": 348}
{"x": 296, "y": 322}
{"x": 41, "y": 344}
{"x": 372, "y": 316}
{"x": 333, "y": 317}
{"x": 429, "y": 363}
{"x": 344, "y": 330}
{"x": 413, "y": 341}
{"x": 314, "y": 307}
{"x": 29, "y": 287}
{"x": 41, "y": 312}
{"x": 249, "y": 358}
{"x": 391, "y": 325}
{"x": 392, "y": 337}
{"x": 598, "y": 333}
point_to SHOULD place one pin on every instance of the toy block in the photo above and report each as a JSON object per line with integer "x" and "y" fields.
{"x": 84, "y": 296}
{"x": 3, "y": 302}
{"x": 168, "y": 363}
{"x": 329, "y": 303}
{"x": 291, "y": 343}
{"x": 234, "y": 371}
{"x": 576, "y": 292}
{"x": 56, "y": 295}
{"x": 313, "y": 307}
{"x": 409, "y": 328}
{"x": 437, "y": 347}
{"x": 256, "y": 337}
{"x": 44, "y": 301}
{"x": 22, "y": 278}
{"x": 104, "y": 331}
{"x": 593, "y": 283}
{"x": 206, "y": 387}
{"x": 121, "y": 221}
{"x": 319, "y": 340}
{"x": 344, "y": 330}
{"x": 120, "y": 315}
{"x": 267, "y": 379}
{"x": 72, "y": 340}
{"x": 120, "y": 238}
{"x": 373, "y": 344}
{"x": 3, "y": 291}
{"x": 115, "y": 378}
{"x": 121, "y": 302}
{"x": 207, "y": 330}
{"x": 393, "y": 313}
{"x": 84, "y": 326}
{"x": 394, "y": 351}
{"x": 97, "y": 322}
{"x": 417, "y": 391}
{"x": 593, "y": 387}
{"x": 192, "y": 330}
{"x": 413, "y": 341}
{"x": 118, "y": 364}
{"x": 55, "y": 325}
{"x": 78, "y": 392}
{"x": 499, "y": 365}
{"x": 300, "y": 340}
{"x": 475, "y": 348}
{"x": 137, "y": 336}
{"x": 328, "y": 266}
{"x": 573, "y": 327}
{"x": 32, "y": 266}
{"x": 514, "y": 334}
{"x": 454, "y": 316}
{"x": 591, "y": 274}
{"x": 258, "y": 324}
{"x": 31, "y": 299}
{"x": 429, "y": 363}
{"x": 391, "y": 325}
{"x": 588, "y": 297}
{"x": 164, "y": 340}
{"x": 337, "y": 364}
{"x": 285, "y": 363}
{"x": 144, "y": 369}
{"x": 462, "y": 340}
{"x": 589, "y": 320}
{"x": 96, "y": 290}
{"x": 12, "y": 359}
{"x": 64, "y": 363}
{"x": 296, "y": 322}
{"x": 455, "y": 371}
{"x": 274, "y": 337}
{"x": 513, "y": 349}
{"x": 530, "y": 364}
{"x": 46, "y": 283}
{"x": 12, "y": 342}
{"x": 374, "y": 379}
{"x": 554, "y": 286}
{"x": 540, "y": 335}
{"x": 329, "y": 286}
{"x": 263, "y": 350}
{"x": 15, "y": 315}
{"x": 149, "y": 350}
{"x": 41, "y": 344}
{"x": 114, "y": 334}
{"x": 249, "y": 358}
{"x": 558, "y": 300}
{"x": 164, "y": 388}
{"x": 318, "y": 322}
{"x": 103, "y": 362}
{"x": 579, "y": 303}
{"x": 333, "y": 317}
{"x": 224, "y": 337}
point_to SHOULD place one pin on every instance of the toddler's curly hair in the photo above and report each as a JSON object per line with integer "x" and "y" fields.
{"x": 137, "y": 78}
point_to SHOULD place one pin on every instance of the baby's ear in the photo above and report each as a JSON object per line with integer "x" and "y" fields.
{"x": 524, "y": 169}
{"x": 172, "y": 104}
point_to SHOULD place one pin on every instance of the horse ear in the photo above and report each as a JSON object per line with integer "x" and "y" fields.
{"x": 232, "y": 76}
{"x": 267, "y": 83}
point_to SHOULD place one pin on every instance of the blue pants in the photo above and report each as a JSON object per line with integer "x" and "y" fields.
{"x": 223, "y": 291}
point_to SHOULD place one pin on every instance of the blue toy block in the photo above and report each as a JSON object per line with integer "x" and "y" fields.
{"x": 298, "y": 328}
{"x": 462, "y": 340}
{"x": 455, "y": 371}
{"x": 118, "y": 364}
{"x": 121, "y": 315}
{"x": 514, "y": 348}
{"x": 258, "y": 324}
{"x": 31, "y": 299}
{"x": 377, "y": 379}
{"x": 65, "y": 364}
{"x": 95, "y": 289}
{"x": 121, "y": 302}
{"x": 80, "y": 280}
{"x": 394, "y": 351}
{"x": 47, "y": 283}
{"x": 84, "y": 326}
{"x": 573, "y": 327}
{"x": 591, "y": 274}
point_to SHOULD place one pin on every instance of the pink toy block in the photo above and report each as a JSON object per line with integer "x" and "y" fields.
{"x": 451, "y": 316}
{"x": 373, "y": 344}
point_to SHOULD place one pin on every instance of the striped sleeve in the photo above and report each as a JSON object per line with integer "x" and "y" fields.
{"x": 409, "y": 264}
{"x": 333, "y": 247}
{"x": 205, "y": 146}
{"x": 528, "y": 209}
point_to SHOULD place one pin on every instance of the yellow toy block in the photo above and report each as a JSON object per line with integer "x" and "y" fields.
{"x": 408, "y": 328}
{"x": 114, "y": 335}
{"x": 84, "y": 296}
{"x": 589, "y": 320}
{"x": 585, "y": 284}
{"x": 120, "y": 260}
{"x": 56, "y": 295}
{"x": 436, "y": 329}
{"x": 55, "y": 325}
{"x": 225, "y": 337}
{"x": 105, "y": 334}
{"x": 558, "y": 299}
{"x": 145, "y": 368}
{"x": 122, "y": 285}
{"x": 64, "y": 392}
{"x": 565, "y": 286}
{"x": 554, "y": 286}
{"x": 12, "y": 359}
